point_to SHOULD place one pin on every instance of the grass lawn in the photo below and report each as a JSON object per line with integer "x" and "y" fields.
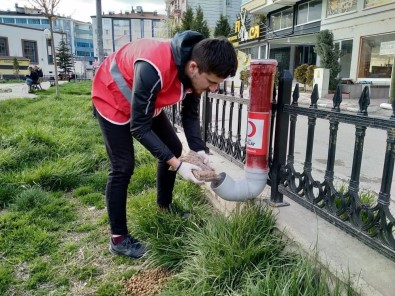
{"x": 54, "y": 228}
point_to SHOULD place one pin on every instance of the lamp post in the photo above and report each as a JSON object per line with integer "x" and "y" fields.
{"x": 49, "y": 36}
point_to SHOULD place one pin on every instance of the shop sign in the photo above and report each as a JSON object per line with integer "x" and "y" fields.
{"x": 243, "y": 31}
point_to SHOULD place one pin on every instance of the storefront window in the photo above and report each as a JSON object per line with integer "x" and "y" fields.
{"x": 304, "y": 55}
{"x": 276, "y": 21}
{"x": 282, "y": 20}
{"x": 375, "y": 60}
{"x": 263, "y": 52}
{"x": 309, "y": 11}
{"x": 282, "y": 55}
{"x": 303, "y": 11}
{"x": 254, "y": 52}
{"x": 340, "y": 6}
{"x": 373, "y": 3}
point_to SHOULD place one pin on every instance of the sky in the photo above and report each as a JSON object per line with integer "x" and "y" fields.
{"x": 82, "y": 10}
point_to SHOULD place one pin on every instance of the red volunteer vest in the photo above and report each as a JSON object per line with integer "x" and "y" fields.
{"x": 112, "y": 85}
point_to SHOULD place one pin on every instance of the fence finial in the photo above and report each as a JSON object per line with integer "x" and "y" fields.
{"x": 364, "y": 101}
{"x": 232, "y": 89}
{"x": 295, "y": 95}
{"x": 314, "y": 97}
{"x": 337, "y": 99}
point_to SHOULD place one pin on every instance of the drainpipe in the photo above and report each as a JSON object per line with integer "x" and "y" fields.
{"x": 256, "y": 168}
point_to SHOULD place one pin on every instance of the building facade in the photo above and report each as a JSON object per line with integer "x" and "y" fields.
{"x": 287, "y": 34}
{"x": 364, "y": 31}
{"x": 212, "y": 10}
{"x": 25, "y": 43}
{"x": 121, "y": 28}
{"x": 78, "y": 35}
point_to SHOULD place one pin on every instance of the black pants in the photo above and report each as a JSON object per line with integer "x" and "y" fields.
{"x": 119, "y": 145}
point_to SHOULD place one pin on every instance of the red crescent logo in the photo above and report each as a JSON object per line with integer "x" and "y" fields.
{"x": 253, "y": 129}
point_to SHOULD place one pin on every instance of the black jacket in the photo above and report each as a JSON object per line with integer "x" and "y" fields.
{"x": 34, "y": 76}
{"x": 145, "y": 88}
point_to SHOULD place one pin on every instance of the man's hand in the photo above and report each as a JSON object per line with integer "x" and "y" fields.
{"x": 185, "y": 170}
{"x": 204, "y": 156}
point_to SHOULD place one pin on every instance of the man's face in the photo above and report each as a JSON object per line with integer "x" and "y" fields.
{"x": 202, "y": 82}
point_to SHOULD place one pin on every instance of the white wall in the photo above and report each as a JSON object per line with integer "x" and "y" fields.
{"x": 15, "y": 36}
{"x": 83, "y": 70}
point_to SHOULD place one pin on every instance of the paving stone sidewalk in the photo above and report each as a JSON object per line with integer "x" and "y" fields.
{"x": 20, "y": 90}
{"x": 379, "y": 107}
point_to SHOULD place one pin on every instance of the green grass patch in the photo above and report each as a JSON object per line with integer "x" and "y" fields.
{"x": 94, "y": 199}
{"x": 6, "y": 277}
{"x": 54, "y": 231}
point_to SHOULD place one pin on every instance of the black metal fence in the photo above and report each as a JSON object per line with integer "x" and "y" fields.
{"x": 224, "y": 124}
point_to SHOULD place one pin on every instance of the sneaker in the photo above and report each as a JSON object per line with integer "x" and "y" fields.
{"x": 130, "y": 247}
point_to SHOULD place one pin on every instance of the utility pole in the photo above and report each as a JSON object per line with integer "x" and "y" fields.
{"x": 99, "y": 28}
{"x": 55, "y": 63}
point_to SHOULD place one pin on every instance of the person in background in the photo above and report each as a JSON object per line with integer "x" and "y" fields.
{"x": 129, "y": 91}
{"x": 40, "y": 74}
{"x": 71, "y": 76}
{"x": 32, "y": 79}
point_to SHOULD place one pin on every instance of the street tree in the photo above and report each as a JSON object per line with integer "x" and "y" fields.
{"x": 64, "y": 57}
{"x": 175, "y": 29}
{"x": 169, "y": 28}
{"x": 15, "y": 64}
{"x": 222, "y": 27}
{"x": 329, "y": 56}
{"x": 187, "y": 19}
{"x": 48, "y": 9}
{"x": 200, "y": 24}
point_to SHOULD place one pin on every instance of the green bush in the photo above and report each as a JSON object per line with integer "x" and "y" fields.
{"x": 244, "y": 77}
{"x": 30, "y": 199}
{"x": 300, "y": 74}
{"x": 329, "y": 56}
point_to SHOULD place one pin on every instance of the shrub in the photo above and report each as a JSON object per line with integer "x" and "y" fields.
{"x": 300, "y": 74}
{"x": 244, "y": 77}
{"x": 329, "y": 56}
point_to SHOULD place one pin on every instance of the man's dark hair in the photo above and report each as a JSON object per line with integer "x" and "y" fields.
{"x": 215, "y": 56}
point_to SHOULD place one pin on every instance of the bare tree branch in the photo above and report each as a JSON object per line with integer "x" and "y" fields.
{"x": 48, "y": 7}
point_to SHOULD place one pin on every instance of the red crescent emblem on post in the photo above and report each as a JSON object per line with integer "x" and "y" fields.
{"x": 253, "y": 129}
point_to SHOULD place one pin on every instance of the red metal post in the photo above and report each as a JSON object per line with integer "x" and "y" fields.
{"x": 259, "y": 115}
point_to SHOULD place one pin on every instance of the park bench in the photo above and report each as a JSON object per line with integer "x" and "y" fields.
{"x": 35, "y": 86}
